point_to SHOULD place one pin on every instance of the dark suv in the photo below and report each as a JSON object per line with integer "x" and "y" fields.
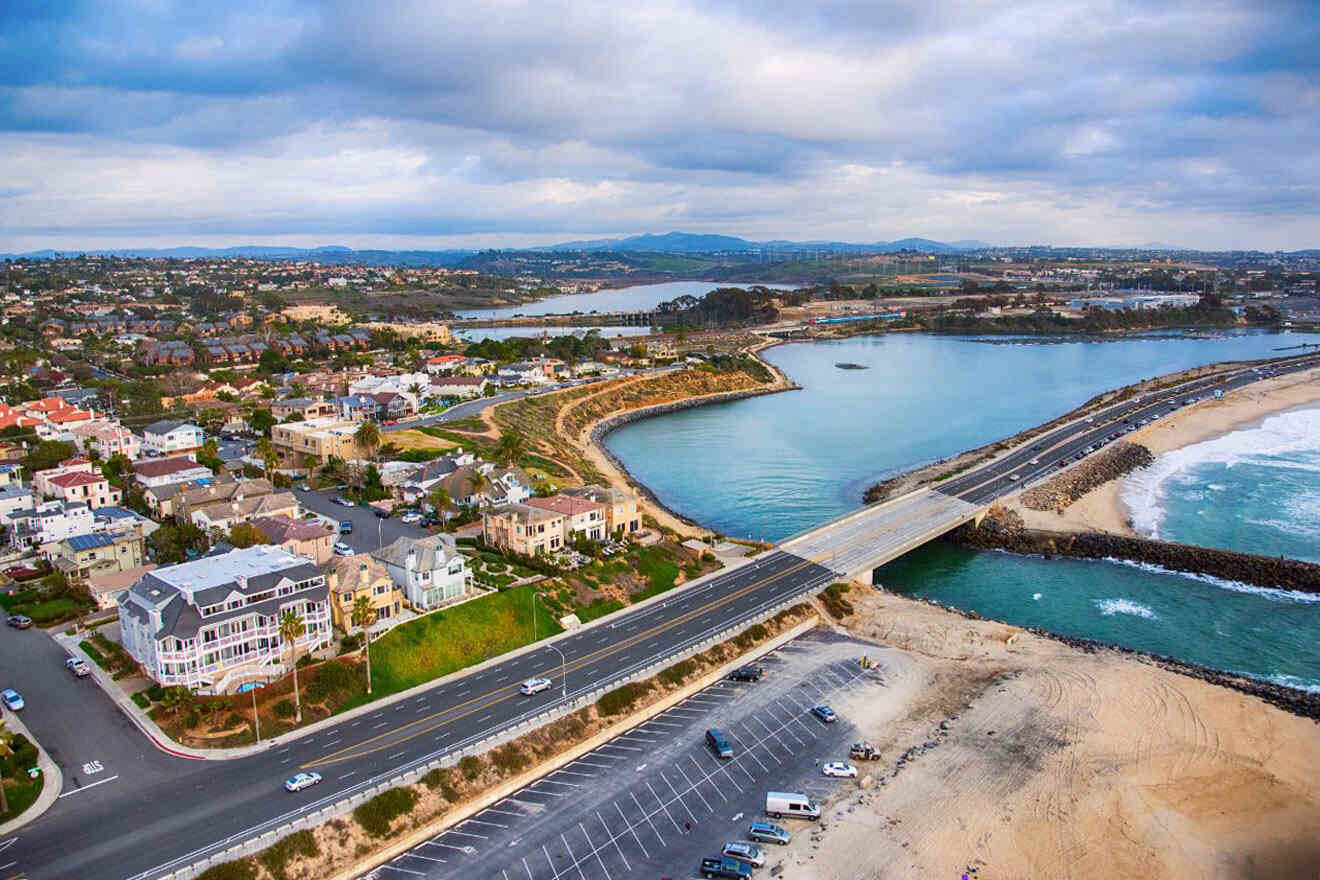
{"x": 750, "y": 672}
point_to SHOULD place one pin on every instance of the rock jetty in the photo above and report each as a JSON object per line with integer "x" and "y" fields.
{"x": 1113, "y": 462}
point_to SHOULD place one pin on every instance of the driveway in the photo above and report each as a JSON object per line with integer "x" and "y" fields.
{"x": 369, "y": 531}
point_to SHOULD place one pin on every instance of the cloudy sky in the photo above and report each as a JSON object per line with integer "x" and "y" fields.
{"x": 436, "y": 123}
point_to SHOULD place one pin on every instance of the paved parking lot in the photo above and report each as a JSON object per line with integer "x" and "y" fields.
{"x": 655, "y": 799}
{"x": 369, "y": 530}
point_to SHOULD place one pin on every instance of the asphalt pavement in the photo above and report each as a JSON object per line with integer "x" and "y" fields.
{"x": 370, "y": 532}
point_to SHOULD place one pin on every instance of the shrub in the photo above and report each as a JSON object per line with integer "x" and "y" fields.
{"x": 677, "y": 673}
{"x": 155, "y": 692}
{"x": 750, "y": 636}
{"x": 508, "y": 758}
{"x": 276, "y": 858}
{"x": 234, "y": 720}
{"x": 243, "y": 869}
{"x": 471, "y": 767}
{"x": 378, "y": 814}
{"x": 284, "y": 709}
{"x": 332, "y": 678}
{"x": 621, "y": 699}
{"x": 835, "y": 603}
{"x": 140, "y": 698}
{"x": 443, "y": 779}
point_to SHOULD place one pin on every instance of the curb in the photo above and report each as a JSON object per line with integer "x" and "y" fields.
{"x": 52, "y": 784}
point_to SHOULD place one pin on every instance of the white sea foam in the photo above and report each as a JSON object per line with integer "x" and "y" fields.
{"x": 1125, "y": 606}
{"x": 1272, "y": 593}
{"x": 1214, "y": 487}
{"x": 1284, "y": 434}
{"x": 1035, "y": 596}
{"x": 1294, "y": 681}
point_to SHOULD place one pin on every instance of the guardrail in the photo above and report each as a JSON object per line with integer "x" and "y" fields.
{"x": 253, "y": 840}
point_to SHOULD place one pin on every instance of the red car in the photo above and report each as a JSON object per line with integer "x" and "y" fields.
{"x": 1063, "y": 462}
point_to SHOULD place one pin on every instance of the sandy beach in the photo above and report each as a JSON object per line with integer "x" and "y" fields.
{"x": 1058, "y": 763}
{"x": 1102, "y": 510}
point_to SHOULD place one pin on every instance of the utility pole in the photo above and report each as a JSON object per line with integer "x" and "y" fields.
{"x": 256, "y": 719}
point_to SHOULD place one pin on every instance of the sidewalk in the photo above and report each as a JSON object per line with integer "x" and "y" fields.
{"x": 53, "y": 779}
{"x": 163, "y": 742}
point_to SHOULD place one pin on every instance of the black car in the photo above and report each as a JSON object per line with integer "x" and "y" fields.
{"x": 19, "y": 621}
{"x": 750, "y": 672}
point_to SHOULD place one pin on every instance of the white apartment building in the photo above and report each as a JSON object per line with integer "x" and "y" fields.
{"x": 168, "y": 437}
{"x": 213, "y": 624}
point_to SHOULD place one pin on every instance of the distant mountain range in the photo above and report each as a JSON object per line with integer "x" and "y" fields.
{"x": 689, "y": 243}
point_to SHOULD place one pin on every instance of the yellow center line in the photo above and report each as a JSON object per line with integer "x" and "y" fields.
{"x": 499, "y": 695}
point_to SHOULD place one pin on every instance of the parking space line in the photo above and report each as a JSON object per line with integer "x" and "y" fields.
{"x": 575, "y": 773}
{"x": 628, "y": 825}
{"x": 752, "y": 751}
{"x": 527, "y": 869}
{"x": 768, "y": 742}
{"x": 551, "y": 861}
{"x": 711, "y": 776}
{"x": 505, "y": 812}
{"x": 468, "y": 834}
{"x": 545, "y": 793}
{"x": 616, "y": 746}
{"x": 557, "y": 782}
{"x": 589, "y": 764}
{"x": 479, "y": 822}
{"x": 645, "y": 816}
{"x": 691, "y": 814}
{"x": 662, "y": 806}
{"x": 576, "y": 863}
{"x": 696, "y": 790}
{"x": 660, "y": 724}
{"x": 414, "y": 855}
{"x": 595, "y": 850}
{"x": 404, "y": 870}
{"x": 445, "y": 845}
{"x": 783, "y": 729}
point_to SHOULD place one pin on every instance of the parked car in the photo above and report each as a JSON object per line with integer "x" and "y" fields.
{"x": 342, "y": 549}
{"x": 299, "y": 781}
{"x": 19, "y": 621}
{"x": 726, "y": 867}
{"x": 12, "y": 699}
{"x": 864, "y": 751}
{"x": 411, "y": 517}
{"x": 750, "y": 672}
{"x": 534, "y": 686}
{"x": 824, "y": 713}
{"x": 744, "y": 852}
{"x": 839, "y": 769}
{"x": 77, "y": 666}
{"x": 769, "y": 832}
{"x": 346, "y": 527}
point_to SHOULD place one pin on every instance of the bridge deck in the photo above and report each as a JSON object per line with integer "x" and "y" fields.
{"x": 875, "y": 535}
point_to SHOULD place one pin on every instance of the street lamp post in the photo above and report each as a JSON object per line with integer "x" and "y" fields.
{"x": 563, "y": 672}
{"x": 380, "y": 542}
{"x": 256, "y": 719}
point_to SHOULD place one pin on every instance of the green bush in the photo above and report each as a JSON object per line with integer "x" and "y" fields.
{"x": 621, "y": 699}
{"x": 470, "y": 765}
{"x": 284, "y": 709}
{"x": 275, "y": 858}
{"x": 750, "y": 636}
{"x": 677, "y": 673}
{"x": 243, "y": 869}
{"x": 378, "y": 814}
{"x": 442, "y": 778}
{"x": 508, "y": 758}
{"x": 332, "y": 679}
{"x": 155, "y": 692}
{"x": 141, "y": 699}
{"x": 835, "y": 603}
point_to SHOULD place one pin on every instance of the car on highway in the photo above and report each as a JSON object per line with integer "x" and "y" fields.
{"x": 744, "y": 852}
{"x": 340, "y": 499}
{"x": 12, "y": 699}
{"x": 1034, "y": 461}
{"x": 411, "y": 517}
{"x": 1063, "y": 462}
{"x": 19, "y": 621}
{"x": 346, "y": 527}
{"x": 342, "y": 549}
{"x": 77, "y": 666}
{"x": 1014, "y": 477}
{"x": 824, "y": 713}
{"x": 534, "y": 686}
{"x": 769, "y": 832}
{"x": 840, "y": 769}
{"x": 299, "y": 781}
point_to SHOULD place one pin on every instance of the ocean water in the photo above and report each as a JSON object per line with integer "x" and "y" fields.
{"x": 1268, "y": 634}
{"x": 770, "y": 466}
{"x": 1256, "y": 490}
{"x": 476, "y": 334}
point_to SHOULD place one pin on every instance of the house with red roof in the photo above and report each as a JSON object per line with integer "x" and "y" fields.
{"x": 76, "y": 479}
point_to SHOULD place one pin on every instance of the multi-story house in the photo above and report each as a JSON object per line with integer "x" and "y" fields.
{"x": 582, "y": 516}
{"x": 164, "y": 471}
{"x": 82, "y": 557}
{"x": 168, "y": 437}
{"x": 351, "y": 577}
{"x": 106, "y": 439}
{"x": 459, "y": 386}
{"x": 49, "y": 522}
{"x": 307, "y": 407}
{"x": 221, "y": 516}
{"x": 213, "y": 624}
{"x": 76, "y": 479}
{"x": 318, "y": 438}
{"x": 521, "y": 528}
{"x": 430, "y": 571}
{"x": 310, "y": 538}
{"x": 622, "y": 516}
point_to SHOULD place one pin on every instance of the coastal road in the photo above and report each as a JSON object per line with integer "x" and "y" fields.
{"x": 157, "y": 822}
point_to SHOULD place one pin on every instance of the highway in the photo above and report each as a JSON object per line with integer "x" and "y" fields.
{"x": 153, "y": 821}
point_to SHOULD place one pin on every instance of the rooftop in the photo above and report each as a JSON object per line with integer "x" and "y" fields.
{"x": 234, "y": 569}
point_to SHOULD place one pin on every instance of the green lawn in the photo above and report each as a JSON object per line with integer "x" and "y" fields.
{"x": 599, "y": 608}
{"x": 96, "y": 655}
{"x": 447, "y": 641}
{"x": 52, "y": 610}
{"x": 654, "y": 564}
{"x": 21, "y": 795}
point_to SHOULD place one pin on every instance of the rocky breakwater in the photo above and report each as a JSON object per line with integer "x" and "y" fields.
{"x": 1063, "y": 489}
{"x": 1004, "y": 530}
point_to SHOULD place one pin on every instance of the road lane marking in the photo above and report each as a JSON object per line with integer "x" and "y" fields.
{"x": 89, "y": 785}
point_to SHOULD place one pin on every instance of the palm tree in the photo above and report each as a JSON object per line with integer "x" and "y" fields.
{"x": 511, "y": 447}
{"x": 265, "y": 450}
{"x": 368, "y": 437}
{"x": 478, "y": 480}
{"x": 292, "y": 629}
{"x": 364, "y": 615}
{"x": 440, "y": 500}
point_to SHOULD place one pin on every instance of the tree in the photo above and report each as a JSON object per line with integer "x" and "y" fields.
{"x": 246, "y": 535}
{"x": 441, "y": 501}
{"x": 261, "y": 421}
{"x": 478, "y": 480}
{"x": 368, "y": 438}
{"x": 510, "y": 448}
{"x": 270, "y": 459}
{"x": 46, "y": 454}
{"x": 364, "y": 615}
{"x": 292, "y": 628}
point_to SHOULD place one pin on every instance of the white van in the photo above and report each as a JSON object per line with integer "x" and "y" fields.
{"x": 789, "y": 803}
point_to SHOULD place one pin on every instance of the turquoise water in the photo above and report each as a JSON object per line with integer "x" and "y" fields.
{"x": 1264, "y": 633}
{"x": 476, "y": 334}
{"x": 624, "y": 299}
{"x": 1257, "y": 489}
{"x": 771, "y": 466}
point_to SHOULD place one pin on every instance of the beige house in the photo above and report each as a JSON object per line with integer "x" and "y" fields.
{"x": 311, "y": 538}
{"x": 307, "y": 407}
{"x": 360, "y": 575}
{"x": 318, "y": 438}
{"x": 622, "y": 515}
{"x": 106, "y": 588}
{"x": 522, "y": 528}
{"x": 582, "y": 516}
{"x": 222, "y": 516}
{"x": 83, "y": 557}
{"x": 192, "y": 496}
